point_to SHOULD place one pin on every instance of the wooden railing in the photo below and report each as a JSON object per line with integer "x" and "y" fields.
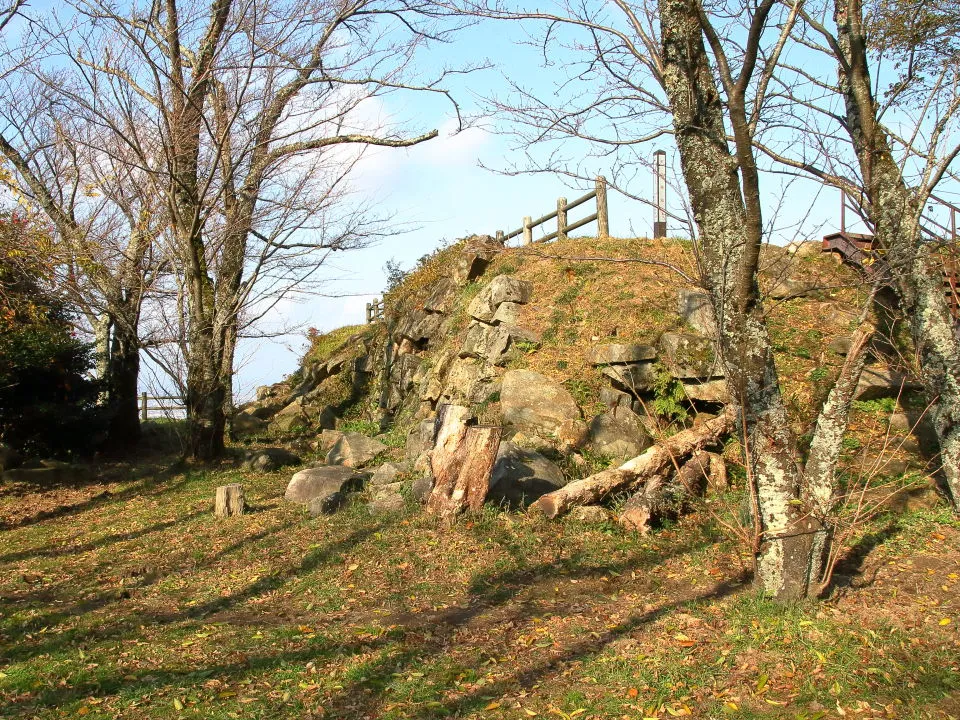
{"x": 375, "y": 310}
{"x": 563, "y": 207}
{"x": 162, "y": 403}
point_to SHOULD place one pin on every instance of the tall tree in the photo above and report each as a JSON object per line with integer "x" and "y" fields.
{"x": 243, "y": 114}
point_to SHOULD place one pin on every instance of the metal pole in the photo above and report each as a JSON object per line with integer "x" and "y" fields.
{"x": 660, "y": 194}
{"x": 843, "y": 211}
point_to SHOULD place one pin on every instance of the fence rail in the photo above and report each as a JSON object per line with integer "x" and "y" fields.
{"x": 563, "y": 207}
{"x": 146, "y": 407}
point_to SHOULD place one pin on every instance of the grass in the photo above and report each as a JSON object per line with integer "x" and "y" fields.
{"x": 125, "y": 598}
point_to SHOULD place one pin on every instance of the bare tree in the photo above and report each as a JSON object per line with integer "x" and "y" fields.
{"x": 247, "y": 117}
{"x": 891, "y": 146}
{"x": 105, "y": 226}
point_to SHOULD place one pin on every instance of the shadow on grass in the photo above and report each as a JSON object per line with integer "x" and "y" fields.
{"x": 512, "y": 599}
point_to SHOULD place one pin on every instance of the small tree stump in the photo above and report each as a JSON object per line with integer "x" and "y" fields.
{"x": 229, "y": 501}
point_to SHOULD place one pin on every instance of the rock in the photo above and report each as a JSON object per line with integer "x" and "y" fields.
{"x": 519, "y": 334}
{"x": 508, "y": 313}
{"x": 620, "y": 354}
{"x": 521, "y": 476}
{"x": 265, "y": 392}
{"x": 354, "y": 450}
{"x": 247, "y": 424}
{"x": 431, "y": 389}
{"x": 787, "y": 288}
{"x": 378, "y": 491}
{"x": 839, "y": 345}
{"x": 439, "y": 300}
{"x": 421, "y": 488}
{"x": 501, "y": 289}
{"x": 530, "y": 400}
{"x": 386, "y": 474}
{"x": 488, "y": 342}
{"x": 618, "y": 434}
{"x": 689, "y": 356}
{"x": 290, "y": 419}
{"x": 468, "y": 382}
{"x": 419, "y": 326}
{"x": 634, "y": 379}
{"x": 420, "y": 439}
{"x": 613, "y": 398}
{"x": 805, "y": 248}
{"x": 879, "y": 382}
{"x": 269, "y": 459}
{"x": 322, "y": 489}
{"x": 387, "y": 504}
{"x": 327, "y": 439}
{"x": 900, "y": 423}
{"x": 9, "y": 457}
{"x": 712, "y": 391}
{"x": 590, "y": 514}
{"x": 475, "y": 258}
{"x": 695, "y": 309}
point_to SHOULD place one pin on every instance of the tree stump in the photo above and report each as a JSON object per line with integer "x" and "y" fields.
{"x": 461, "y": 462}
{"x": 229, "y": 501}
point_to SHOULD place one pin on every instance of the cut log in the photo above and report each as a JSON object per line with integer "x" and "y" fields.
{"x": 657, "y": 460}
{"x": 667, "y": 497}
{"x": 718, "y": 480}
{"x": 229, "y": 501}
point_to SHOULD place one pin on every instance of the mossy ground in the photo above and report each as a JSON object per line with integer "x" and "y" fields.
{"x": 125, "y": 598}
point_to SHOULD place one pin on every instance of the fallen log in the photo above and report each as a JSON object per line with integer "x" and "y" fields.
{"x": 657, "y": 460}
{"x": 667, "y": 496}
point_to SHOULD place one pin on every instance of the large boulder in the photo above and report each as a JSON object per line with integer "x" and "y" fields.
{"x": 354, "y": 450}
{"x": 291, "y": 418}
{"x": 520, "y": 476}
{"x": 689, "y": 356}
{"x": 530, "y": 400}
{"x": 420, "y": 439}
{"x": 269, "y": 459}
{"x": 421, "y": 488}
{"x": 419, "y": 326}
{"x": 323, "y": 489}
{"x": 502, "y": 289}
{"x": 618, "y": 434}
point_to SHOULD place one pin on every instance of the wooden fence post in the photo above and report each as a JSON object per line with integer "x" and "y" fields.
{"x": 527, "y": 230}
{"x": 603, "y": 222}
{"x": 143, "y": 407}
{"x": 561, "y": 218}
{"x": 500, "y": 237}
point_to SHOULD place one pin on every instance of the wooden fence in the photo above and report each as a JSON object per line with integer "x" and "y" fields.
{"x": 563, "y": 207}
{"x": 162, "y": 403}
{"x": 375, "y": 310}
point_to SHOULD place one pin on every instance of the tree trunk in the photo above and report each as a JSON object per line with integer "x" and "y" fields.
{"x": 206, "y": 394}
{"x": 724, "y": 194}
{"x": 122, "y": 378}
{"x": 657, "y": 460}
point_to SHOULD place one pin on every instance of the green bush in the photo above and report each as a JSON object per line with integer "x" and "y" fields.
{"x": 47, "y": 400}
